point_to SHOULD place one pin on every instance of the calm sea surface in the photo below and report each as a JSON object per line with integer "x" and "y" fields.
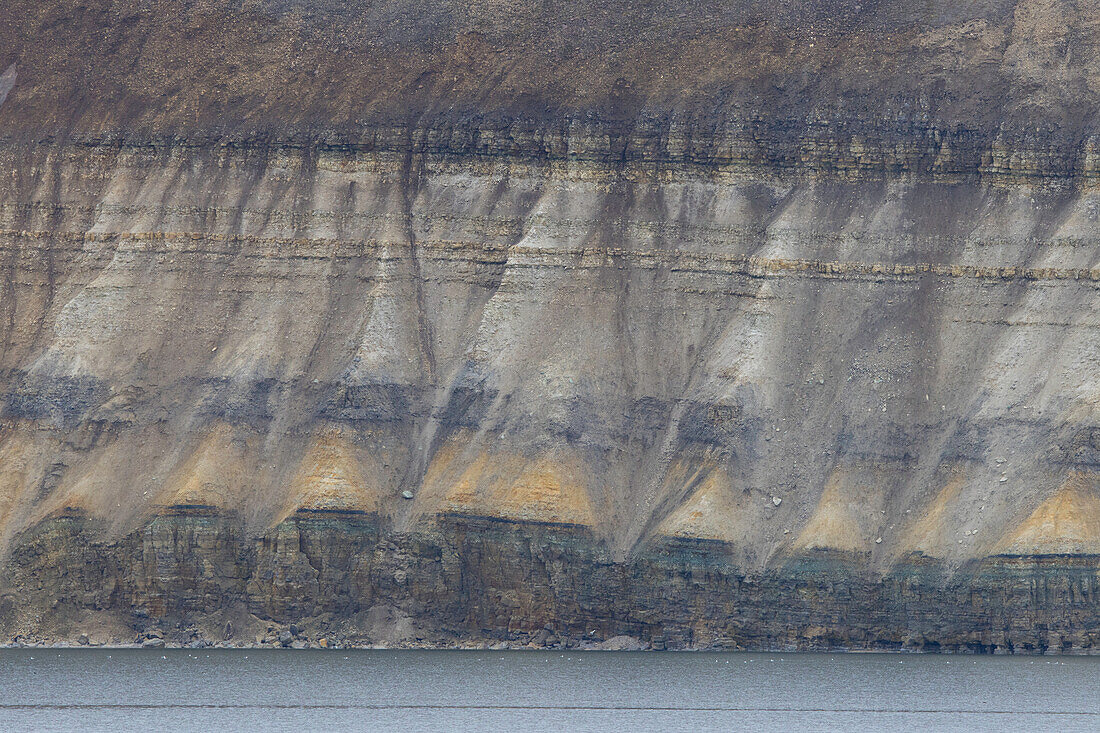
{"x": 132, "y": 690}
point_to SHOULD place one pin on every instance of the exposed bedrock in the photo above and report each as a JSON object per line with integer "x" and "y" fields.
{"x": 686, "y": 364}
{"x": 192, "y": 576}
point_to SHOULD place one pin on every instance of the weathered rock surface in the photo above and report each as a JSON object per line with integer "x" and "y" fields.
{"x": 717, "y": 324}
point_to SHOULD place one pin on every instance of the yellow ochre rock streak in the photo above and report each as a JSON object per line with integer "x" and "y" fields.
{"x": 547, "y": 489}
{"x": 711, "y": 513}
{"x": 212, "y": 476}
{"x": 1066, "y": 523}
{"x": 331, "y": 478}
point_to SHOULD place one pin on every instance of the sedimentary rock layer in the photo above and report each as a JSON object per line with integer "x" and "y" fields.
{"x": 746, "y": 352}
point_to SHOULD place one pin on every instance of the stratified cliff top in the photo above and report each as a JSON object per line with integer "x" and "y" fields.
{"x": 306, "y": 69}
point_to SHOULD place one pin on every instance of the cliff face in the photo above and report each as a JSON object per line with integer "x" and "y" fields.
{"x": 724, "y": 324}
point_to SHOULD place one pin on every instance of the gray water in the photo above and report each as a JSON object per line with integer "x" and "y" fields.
{"x": 133, "y": 689}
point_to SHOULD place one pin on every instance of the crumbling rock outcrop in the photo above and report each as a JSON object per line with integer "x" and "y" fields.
{"x": 722, "y": 325}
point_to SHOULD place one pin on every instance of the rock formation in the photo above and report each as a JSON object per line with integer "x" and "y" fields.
{"x": 711, "y": 324}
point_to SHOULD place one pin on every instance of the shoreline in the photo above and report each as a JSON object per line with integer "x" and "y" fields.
{"x": 501, "y": 647}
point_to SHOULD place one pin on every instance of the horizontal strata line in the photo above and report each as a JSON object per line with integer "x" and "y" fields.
{"x": 1018, "y": 324}
{"x": 516, "y": 225}
{"x": 735, "y": 264}
{"x": 579, "y": 708}
{"x": 823, "y": 155}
